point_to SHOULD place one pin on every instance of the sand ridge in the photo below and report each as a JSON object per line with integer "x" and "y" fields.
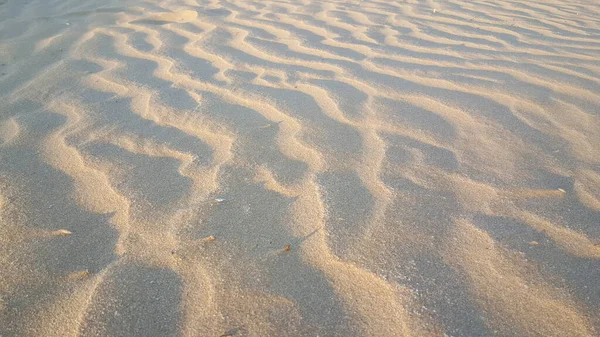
{"x": 299, "y": 168}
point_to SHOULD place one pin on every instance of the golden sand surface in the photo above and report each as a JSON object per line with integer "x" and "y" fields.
{"x": 299, "y": 168}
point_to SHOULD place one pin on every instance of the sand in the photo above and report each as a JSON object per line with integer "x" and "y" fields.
{"x": 299, "y": 168}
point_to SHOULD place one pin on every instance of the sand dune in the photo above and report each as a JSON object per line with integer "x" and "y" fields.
{"x": 299, "y": 168}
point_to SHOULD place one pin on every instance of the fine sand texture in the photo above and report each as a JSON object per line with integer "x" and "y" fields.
{"x": 332, "y": 168}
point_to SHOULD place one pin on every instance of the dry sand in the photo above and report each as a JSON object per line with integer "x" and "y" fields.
{"x": 299, "y": 168}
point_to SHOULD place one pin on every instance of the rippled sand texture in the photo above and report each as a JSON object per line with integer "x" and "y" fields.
{"x": 299, "y": 168}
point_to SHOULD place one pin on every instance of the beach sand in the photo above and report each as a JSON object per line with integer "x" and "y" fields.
{"x": 299, "y": 168}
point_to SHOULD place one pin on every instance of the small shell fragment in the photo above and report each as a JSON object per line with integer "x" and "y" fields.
{"x": 219, "y": 200}
{"x": 61, "y": 232}
{"x": 78, "y": 275}
{"x": 209, "y": 238}
{"x": 534, "y": 243}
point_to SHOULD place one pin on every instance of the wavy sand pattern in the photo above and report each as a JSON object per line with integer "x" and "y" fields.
{"x": 434, "y": 167}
